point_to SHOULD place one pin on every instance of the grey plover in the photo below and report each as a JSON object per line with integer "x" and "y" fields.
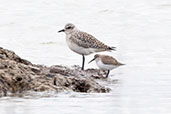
{"x": 82, "y": 42}
{"x": 105, "y": 62}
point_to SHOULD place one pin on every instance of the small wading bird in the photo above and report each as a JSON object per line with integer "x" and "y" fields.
{"x": 82, "y": 42}
{"x": 106, "y": 63}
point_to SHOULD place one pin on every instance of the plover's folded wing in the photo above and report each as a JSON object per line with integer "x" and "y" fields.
{"x": 86, "y": 40}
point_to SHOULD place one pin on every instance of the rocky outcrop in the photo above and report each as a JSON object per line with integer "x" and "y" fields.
{"x": 18, "y": 75}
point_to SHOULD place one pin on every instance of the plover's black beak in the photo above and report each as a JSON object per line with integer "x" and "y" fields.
{"x": 91, "y": 60}
{"x": 62, "y": 30}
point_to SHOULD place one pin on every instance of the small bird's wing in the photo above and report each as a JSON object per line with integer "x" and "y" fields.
{"x": 109, "y": 60}
{"x": 86, "y": 40}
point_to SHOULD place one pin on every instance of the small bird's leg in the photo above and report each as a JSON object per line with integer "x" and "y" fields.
{"x": 107, "y": 73}
{"x": 83, "y": 63}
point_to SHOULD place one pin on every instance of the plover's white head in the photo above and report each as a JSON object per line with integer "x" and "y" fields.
{"x": 69, "y": 28}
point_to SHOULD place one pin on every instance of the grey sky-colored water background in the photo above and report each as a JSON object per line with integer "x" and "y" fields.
{"x": 140, "y": 29}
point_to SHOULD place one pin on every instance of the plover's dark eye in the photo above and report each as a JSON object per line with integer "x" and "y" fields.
{"x": 68, "y": 28}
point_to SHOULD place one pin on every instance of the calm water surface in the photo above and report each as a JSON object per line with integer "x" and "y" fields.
{"x": 139, "y": 29}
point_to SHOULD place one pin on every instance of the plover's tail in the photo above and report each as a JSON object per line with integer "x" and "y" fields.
{"x": 112, "y": 48}
{"x": 121, "y": 63}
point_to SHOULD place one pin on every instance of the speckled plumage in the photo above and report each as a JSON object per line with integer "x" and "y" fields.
{"x": 86, "y": 40}
{"x": 82, "y": 42}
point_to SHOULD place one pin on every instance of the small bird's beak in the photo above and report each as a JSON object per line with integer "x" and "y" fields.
{"x": 91, "y": 60}
{"x": 62, "y": 30}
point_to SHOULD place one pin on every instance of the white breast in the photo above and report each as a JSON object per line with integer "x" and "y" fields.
{"x": 78, "y": 49}
{"x": 105, "y": 66}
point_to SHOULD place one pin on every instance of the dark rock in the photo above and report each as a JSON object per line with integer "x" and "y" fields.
{"x": 7, "y": 54}
{"x": 59, "y": 70}
{"x": 18, "y": 75}
{"x": 35, "y": 69}
{"x": 2, "y": 66}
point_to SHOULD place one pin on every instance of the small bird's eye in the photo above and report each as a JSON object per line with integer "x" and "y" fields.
{"x": 68, "y": 28}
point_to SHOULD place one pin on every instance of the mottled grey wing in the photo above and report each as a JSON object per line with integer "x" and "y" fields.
{"x": 86, "y": 40}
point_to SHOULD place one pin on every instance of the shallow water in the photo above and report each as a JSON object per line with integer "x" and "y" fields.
{"x": 139, "y": 29}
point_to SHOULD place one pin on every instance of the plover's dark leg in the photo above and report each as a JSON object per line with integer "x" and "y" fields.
{"x": 83, "y": 63}
{"x": 107, "y": 73}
